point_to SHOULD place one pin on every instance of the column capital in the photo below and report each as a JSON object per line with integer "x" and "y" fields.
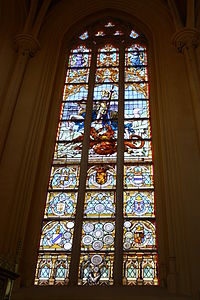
{"x": 186, "y": 38}
{"x": 26, "y": 45}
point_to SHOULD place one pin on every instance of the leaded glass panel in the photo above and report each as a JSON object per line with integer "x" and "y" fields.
{"x": 102, "y": 166}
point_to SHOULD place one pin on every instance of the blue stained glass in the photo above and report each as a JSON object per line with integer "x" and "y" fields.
{"x": 136, "y": 109}
{"x": 98, "y": 235}
{"x": 108, "y": 48}
{"x": 79, "y": 60}
{"x": 52, "y": 269}
{"x": 138, "y": 176}
{"x": 139, "y": 204}
{"x": 105, "y": 91}
{"x": 61, "y": 270}
{"x": 84, "y": 36}
{"x": 134, "y": 34}
{"x": 73, "y": 110}
{"x": 105, "y": 110}
{"x": 75, "y": 92}
{"x": 136, "y": 74}
{"x": 96, "y": 269}
{"x": 64, "y": 177}
{"x": 136, "y": 91}
{"x": 139, "y": 129}
{"x": 81, "y": 48}
{"x": 108, "y": 59}
{"x": 101, "y": 177}
{"x": 57, "y": 235}
{"x": 104, "y": 75}
{"x": 70, "y": 131}
{"x": 136, "y": 58}
{"x": 139, "y": 235}
{"x": 77, "y": 76}
{"x": 68, "y": 152}
{"x": 60, "y": 204}
{"x": 136, "y": 47}
{"x": 99, "y": 204}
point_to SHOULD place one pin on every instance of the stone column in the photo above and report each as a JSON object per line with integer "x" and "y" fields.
{"x": 186, "y": 40}
{"x": 26, "y": 47}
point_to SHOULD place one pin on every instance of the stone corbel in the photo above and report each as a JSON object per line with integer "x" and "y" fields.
{"x": 186, "y": 38}
{"x": 26, "y": 44}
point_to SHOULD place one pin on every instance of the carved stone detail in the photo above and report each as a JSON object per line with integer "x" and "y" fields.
{"x": 185, "y": 38}
{"x": 26, "y": 44}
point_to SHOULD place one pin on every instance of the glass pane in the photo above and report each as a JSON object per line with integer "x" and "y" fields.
{"x": 138, "y": 176}
{"x": 139, "y": 235}
{"x": 81, "y": 48}
{"x": 70, "y": 131}
{"x": 137, "y": 150}
{"x": 60, "y": 204}
{"x": 57, "y": 235}
{"x": 101, "y": 177}
{"x": 103, "y": 131}
{"x": 136, "y": 58}
{"x": 68, "y": 152}
{"x": 105, "y": 110}
{"x": 64, "y": 177}
{"x": 136, "y": 74}
{"x": 75, "y": 92}
{"x": 105, "y": 91}
{"x": 99, "y": 204}
{"x": 98, "y": 235}
{"x": 104, "y": 75}
{"x": 140, "y": 269}
{"x": 73, "y": 110}
{"x": 136, "y": 47}
{"x": 136, "y": 91}
{"x": 108, "y": 48}
{"x": 96, "y": 269}
{"x": 139, "y": 204}
{"x": 137, "y": 129}
{"x": 79, "y": 60}
{"x": 107, "y": 59}
{"x": 136, "y": 109}
{"x": 77, "y": 76}
{"x": 52, "y": 269}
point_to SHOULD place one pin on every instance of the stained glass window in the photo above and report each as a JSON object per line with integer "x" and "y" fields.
{"x": 100, "y": 198}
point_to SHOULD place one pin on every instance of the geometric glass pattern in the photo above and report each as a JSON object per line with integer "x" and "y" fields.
{"x": 106, "y": 82}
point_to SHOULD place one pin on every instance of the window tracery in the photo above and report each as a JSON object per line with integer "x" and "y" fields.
{"x": 106, "y": 85}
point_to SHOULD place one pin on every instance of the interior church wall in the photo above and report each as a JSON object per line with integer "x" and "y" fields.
{"x": 29, "y": 143}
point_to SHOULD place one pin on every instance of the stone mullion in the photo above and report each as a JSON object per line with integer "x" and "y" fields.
{"x": 75, "y": 255}
{"x": 118, "y": 261}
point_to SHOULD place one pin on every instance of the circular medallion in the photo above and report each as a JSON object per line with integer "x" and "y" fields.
{"x": 108, "y": 239}
{"x": 97, "y": 245}
{"x": 88, "y": 227}
{"x": 67, "y": 246}
{"x": 70, "y": 225}
{"x": 67, "y": 235}
{"x": 87, "y": 240}
{"x": 98, "y": 233}
{"x": 108, "y": 227}
{"x": 96, "y": 269}
{"x": 60, "y": 207}
{"x": 127, "y": 245}
{"x": 96, "y": 259}
{"x": 99, "y": 208}
{"x": 127, "y": 224}
{"x": 129, "y": 235}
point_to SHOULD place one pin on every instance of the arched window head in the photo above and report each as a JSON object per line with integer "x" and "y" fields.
{"x": 99, "y": 221}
